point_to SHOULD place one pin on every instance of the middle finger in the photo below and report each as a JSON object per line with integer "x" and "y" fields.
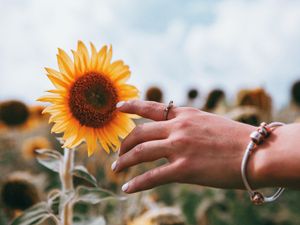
{"x": 145, "y": 152}
{"x": 143, "y": 133}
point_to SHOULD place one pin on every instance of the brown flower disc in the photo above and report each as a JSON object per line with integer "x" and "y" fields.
{"x": 93, "y": 100}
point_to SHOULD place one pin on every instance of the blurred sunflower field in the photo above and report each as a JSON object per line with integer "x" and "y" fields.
{"x": 25, "y": 183}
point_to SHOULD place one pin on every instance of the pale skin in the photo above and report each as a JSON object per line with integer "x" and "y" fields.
{"x": 205, "y": 149}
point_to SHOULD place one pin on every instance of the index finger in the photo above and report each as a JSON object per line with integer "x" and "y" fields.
{"x": 146, "y": 109}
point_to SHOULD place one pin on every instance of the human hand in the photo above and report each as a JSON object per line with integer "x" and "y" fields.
{"x": 201, "y": 148}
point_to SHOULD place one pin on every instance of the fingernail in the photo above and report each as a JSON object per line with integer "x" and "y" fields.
{"x": 120, "y": 104}
{"x": 114, "y": 166}
{"x": 125, "y": 187}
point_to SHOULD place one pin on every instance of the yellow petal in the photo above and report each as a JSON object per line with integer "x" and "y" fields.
{"x": 101, "y": 58}
{"x": 59, "y": 127}
{"x": 119, "y": 129}
{"x": 113, "y": 137}
{"x": 125, "y": 122}
{"x": 91, "y": 141}
{"x": 78, "y": 64}
{"x": 119, "y": 70}
{"x": 53, "y": 72}
{"x": 115, "y": 66}
{"x": 127, "y": 92}
{"x": 103, "y": 141}
{"x": 58, "y": 75}
{"x": 74, "y": 138}
{"x": 59, "y": 117}
{"x": 58, "y": 83}
{"x": 107, "y": 59}
{"x": 133, "y": 116}
{"x": 83, "y": 54}
{"x": 66, "y": 58}
{"x": 123, "y": 77}
{"x": 51, "y": 98}
{"x": 93, "y": 61}
{"x": 65, "y": 67}
{"x": 61, "y": 92}
{"x": 54, "y": 109}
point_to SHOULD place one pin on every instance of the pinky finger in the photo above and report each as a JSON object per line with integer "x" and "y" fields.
{"x": 161, "y": 175}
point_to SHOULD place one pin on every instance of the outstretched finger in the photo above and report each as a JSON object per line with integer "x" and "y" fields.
{"x": 145, "y": 152}
{"x": 146, "y": 109}
{"x": 161, "y": 175}
{"x": 143, "y": 133}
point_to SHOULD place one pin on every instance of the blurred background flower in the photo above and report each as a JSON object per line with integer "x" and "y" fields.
{"x": 32, "y": 144}
{"x": 13, "y": 113}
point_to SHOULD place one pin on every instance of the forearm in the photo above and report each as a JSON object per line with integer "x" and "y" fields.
{"x": 277, "y": 161}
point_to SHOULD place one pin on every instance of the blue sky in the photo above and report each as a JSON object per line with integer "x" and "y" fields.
{"x": 174, "y": 44}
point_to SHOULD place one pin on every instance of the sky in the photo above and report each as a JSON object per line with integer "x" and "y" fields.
{"x": 174, "y": 44}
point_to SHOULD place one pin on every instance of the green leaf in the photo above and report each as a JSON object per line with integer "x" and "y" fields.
{"x": 50, "y": 152}
{"x": 82, "y": 172}
{"x": 34, "y": 215}
{"x": 54, "y": 200}
{"x": 94, "y": 195}
{"x": 49, "y": 158}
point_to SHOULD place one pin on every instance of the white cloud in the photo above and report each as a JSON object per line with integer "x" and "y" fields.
{"x": 170, "y": 43}
{"x": 250, "y": 43}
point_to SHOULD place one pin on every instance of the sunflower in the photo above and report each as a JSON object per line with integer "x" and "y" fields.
{"x": 32, "y": 144}
{"x": 14, "y": 113}
{"x": 84, "y": 101}
{"x": 154, "y": 94}
{"x": 19, "y": 193}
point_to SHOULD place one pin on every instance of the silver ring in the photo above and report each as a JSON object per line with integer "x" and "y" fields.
{"x": 167, "y": 110}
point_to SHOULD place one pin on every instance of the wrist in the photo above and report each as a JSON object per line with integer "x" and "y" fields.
{"x": 258, "y": 166}
{"x": 258, "y": 169}
{"x": 265, "y": 163}
{"x": 280, "y": 158}
{"x": 258, "y": 138}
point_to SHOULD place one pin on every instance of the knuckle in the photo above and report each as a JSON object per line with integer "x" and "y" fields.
{"x": 130, "y": 105}
{"x": 179, "y": 141}
{"x": 134, "y": 105}
{"x": 150, "y": 106}
{"x": 180, "y": 171}
{"x": 183, "y": 163}
{"x": 120, "y": 164}
{"x": 189, "y": 110}
{"x": 138, "y": 150}
{"x": 150, "y": 175}
{"x": 192, "y": 110}
{"x": 176, "y": 111}
{"x": 138, "y": 129}
{"x": 133, "y": 102}
{"x": 183, "y": 124}
{"x": 141, "y": 127}
{"x": 135, "y": 134}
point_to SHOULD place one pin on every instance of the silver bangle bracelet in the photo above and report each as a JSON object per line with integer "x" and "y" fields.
{"x": 257, "y": 137}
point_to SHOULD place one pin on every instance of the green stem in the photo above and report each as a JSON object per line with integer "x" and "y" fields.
{"x": 67, "y": 185}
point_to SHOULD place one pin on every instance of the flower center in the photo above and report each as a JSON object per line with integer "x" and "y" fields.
{"x": 93, "y": 100}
